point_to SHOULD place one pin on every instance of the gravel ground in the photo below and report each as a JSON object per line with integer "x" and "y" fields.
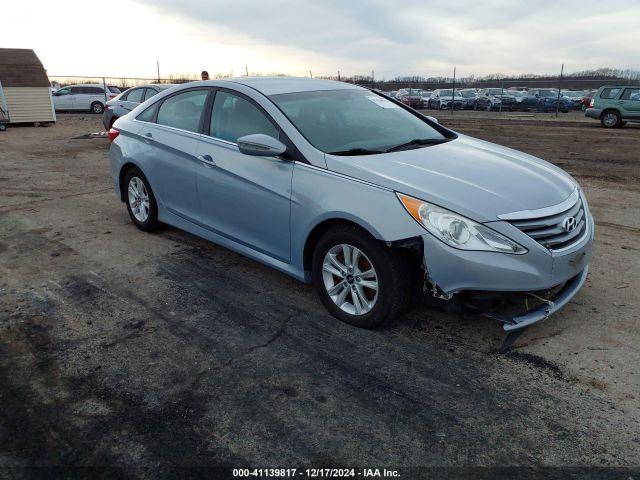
{"x": 151, "y": 352}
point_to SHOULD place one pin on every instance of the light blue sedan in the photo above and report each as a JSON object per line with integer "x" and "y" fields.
{"x": 368, "y": 199}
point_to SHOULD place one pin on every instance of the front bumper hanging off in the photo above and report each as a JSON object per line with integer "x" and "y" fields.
{"x": 548, "y": 308}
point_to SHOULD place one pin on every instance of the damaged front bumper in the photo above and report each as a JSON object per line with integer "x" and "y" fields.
{"x": 548, "y": 307}
{"x": 450, "y": 271}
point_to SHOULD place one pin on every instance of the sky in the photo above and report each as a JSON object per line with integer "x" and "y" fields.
{"x": 125, "y": 38}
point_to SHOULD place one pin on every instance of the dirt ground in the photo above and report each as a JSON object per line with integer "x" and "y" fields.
{"x": 157, "y": 351}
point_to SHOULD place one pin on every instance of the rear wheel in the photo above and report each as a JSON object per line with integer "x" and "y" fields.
{"x": 611, "y": 119}
{"x": 141, "y": 203}
{"x": 97, "y": 107}
{"x": 360, "y": 280}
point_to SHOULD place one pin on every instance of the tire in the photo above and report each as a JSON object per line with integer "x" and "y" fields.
{"x": 391, "y": 275}
{"x": 137, "y": 188}
{"x": 611, "y": 119}
{"x": 3, "y": 127}
{"x": 475, "y": 105}
{"x": 97, "y": 108}
{"x": 489, "y": 107}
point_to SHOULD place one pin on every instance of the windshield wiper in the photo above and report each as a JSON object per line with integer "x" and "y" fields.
{"x": 357, "y": 151}
{"x": 418, "y": 142}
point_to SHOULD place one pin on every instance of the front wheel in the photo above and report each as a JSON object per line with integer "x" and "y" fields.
{"x": 97, "y": 107}
{"x": 360, "y": 280}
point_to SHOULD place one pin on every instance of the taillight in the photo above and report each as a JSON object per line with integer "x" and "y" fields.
{"x": 591, "y": 102}
{"x": 112, "y": 134}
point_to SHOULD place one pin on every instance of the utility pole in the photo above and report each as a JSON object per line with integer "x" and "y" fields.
{"x": 310, "y": 73}
{"x": 246, "y": 69}
{"x": 158, "y": 69}
{"x": 372, "y": 78}
{"x": 559, "y": 87}
{"x": 338, "y": 75}
{"x": 453, "y": 90}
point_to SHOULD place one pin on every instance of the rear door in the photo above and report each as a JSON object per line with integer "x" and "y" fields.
{"x": 630, "y": 103}
{"x": 171, "y": 134}
{"x": 245, "y": 198}
{"x": 78, "y": 99}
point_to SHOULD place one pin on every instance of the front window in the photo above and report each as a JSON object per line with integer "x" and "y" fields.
{"x": 340, "y": 121}
{"x": 445, "y": 93}
{"x": 234, "y": 117}
{"x": 467, "y": 93}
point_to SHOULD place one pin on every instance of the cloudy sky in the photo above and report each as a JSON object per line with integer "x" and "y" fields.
{"x": 414, "y": 37}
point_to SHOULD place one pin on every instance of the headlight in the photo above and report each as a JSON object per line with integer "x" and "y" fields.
{"x": 458, "y": 231}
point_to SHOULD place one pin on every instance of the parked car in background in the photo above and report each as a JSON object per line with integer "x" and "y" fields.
{"x": 470, "y": 95}
{"x": 411, "y": 97}
{"x": 615, "y": 105}
{"x": 128, "y": 100}
{"x": 575, "y": 96}
{"x": 369, "y": 201}
{"x": 426, "y": 94}
{"x": 87, "y": 97}
{"x": 495, "y": 99}
{"x": 586, "y": 100}
{"x": 517, "y": 95}
{"x": 545, "y": 100}
{"x": 445, "y": 98}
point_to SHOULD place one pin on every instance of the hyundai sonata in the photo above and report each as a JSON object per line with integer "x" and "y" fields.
{"x": 355, "y": 192}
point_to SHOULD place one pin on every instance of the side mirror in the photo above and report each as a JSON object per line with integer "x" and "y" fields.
{"x": 433, "y": 119}
{"x": 261, "y": 145}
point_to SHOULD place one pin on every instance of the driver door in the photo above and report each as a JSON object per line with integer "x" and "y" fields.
{"x": 242, "y": 197}
{"x": 62, "y": 99}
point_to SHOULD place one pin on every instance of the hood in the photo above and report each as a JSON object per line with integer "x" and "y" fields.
{"x": 478, "y": 179}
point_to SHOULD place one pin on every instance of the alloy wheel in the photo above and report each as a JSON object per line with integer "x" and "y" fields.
{"x": 138, "y": 199}
{"x": 610, "y": 119}
{"x": 350, "y": 279}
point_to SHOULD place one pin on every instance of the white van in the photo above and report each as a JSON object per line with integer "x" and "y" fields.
{"x": 87, "y": 97}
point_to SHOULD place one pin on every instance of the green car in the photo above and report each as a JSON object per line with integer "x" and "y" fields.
{"x": 615, "y": 105}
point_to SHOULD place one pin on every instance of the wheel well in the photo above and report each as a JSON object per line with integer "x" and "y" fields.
{"x": 317, "y": 232}
{"x": 123, "y": 173}
{"x": 607, "y": 110}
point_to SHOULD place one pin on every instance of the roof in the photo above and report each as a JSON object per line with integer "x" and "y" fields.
{"x": 277, "y": 85}
{"x": 20, "y": 67}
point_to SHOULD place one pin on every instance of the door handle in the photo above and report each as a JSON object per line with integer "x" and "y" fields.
{"x": 207, "y": 160}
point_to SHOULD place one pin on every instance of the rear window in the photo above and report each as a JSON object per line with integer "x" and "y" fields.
{"x": 609, "y": 93}
{"x": 135, "y": 95}
{"x": 631, "y": 94}
{"x": 183, "y": 110}
{"x": 113, "y": 89}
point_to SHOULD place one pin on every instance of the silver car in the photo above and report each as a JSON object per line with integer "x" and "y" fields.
{"x": 364, "y": 197}
{"x": 128, "y": 100}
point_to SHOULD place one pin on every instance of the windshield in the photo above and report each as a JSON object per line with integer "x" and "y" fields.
{"x": 444, "y": 93}
{"x": 343, "y": 120}
{"x": 467, "y": 93}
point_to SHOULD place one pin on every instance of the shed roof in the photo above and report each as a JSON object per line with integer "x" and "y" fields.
{"x": 20, "y": 67}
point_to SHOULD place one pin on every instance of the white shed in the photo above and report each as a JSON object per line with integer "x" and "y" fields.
{"x": 24, "y": 87}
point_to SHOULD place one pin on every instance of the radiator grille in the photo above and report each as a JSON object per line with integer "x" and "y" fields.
{"x": 554, "y": 231}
